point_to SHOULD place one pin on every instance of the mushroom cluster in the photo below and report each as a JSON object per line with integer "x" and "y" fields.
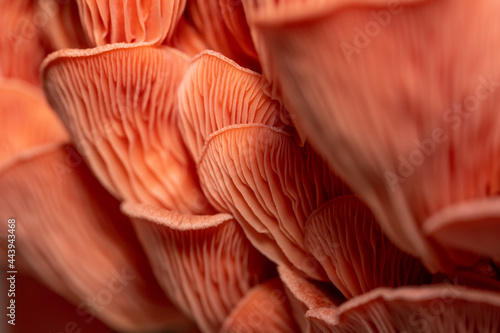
{"x": 255, "y": 165}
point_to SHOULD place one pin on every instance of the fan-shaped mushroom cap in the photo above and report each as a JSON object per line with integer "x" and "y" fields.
{"x": 69, "y": 231}
{"x": 265, "y": 308}
{"x": 304, "y": 295}
{"x": 249, "y": 162}
{"x": 223, "y": 25}
{"x": 72, "y": 236}
{"x": 436, "y": 308}
{"x": 345, "y": 238}
{"x": 113, "y": 21}
{"x": 217, "y": 93}
{"x": 472, "y": 227}
{"x": 388, "y": 96}
{"x": 119, "y": 104}
{"x": 205, "y": 264}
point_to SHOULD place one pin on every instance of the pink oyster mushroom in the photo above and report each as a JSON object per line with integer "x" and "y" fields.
{"x": 400, "y": 98}
{"x": 266, "y": 181}
{"x": 114, "y": 136}
{"x": 436, "y": 308}
{"x": 222, "y": 172}
{"x": 86, "y": 251}
{"x": 205, "y": 264}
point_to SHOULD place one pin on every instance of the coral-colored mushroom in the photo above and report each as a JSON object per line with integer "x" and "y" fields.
{"x": 389, "y": 96}
{"x": 249, "y": 162}
{"x": 347, "y": 241}
{"x": 433, "y": 309}
{"x": 304, "y": 295}
{"x": 69, "y": 231}
{"x": 205, "y": 264}
{"x": 119, "y": 104}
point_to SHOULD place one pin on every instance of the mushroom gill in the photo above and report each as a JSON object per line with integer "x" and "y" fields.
{"x": 146, "y": 21}
{"x": 305, "y": 295}
{"x": 407, "y": 118}
{"x": 249, "y": 162}
{"x": 433, "y": 309}
{"x": 345, "y": 238}
{"x": 69, "y": 231}
{"x": 119, "y": 104}
{"x": 443, "y": 307}
{"x": 204, "y": 264}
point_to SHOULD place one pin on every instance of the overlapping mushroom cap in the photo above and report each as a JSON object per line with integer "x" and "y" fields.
{"x": 69, "y": 232}
{"x": 119, "y": 104}
{"x": 439, "y": 308}
{"x": 248, "y": 159}
{"x": 345, "y": 238}
{"x": 215, "y": 166}
{"x": 388, "y": 95}
{"x": 436, "y": 308}
{"x": 205, "y": 264}
{"x": 304, "y": 295}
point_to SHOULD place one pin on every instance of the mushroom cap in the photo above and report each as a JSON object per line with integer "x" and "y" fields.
{"x": 399, "y": 111}
{"x": 345, "y": 238}
{"x": 248, "y": 160}
{"x": 204, "y": 264}
{"x": 119, "y": 104}
{"x": 471, "y": 227}
{"x": 146, "y": 21}
{"x": 71, "y": 236}
{"x": 436, "y": 308}
{"x": 306, "y": 295}
{"x": 216, "y": 93}
{"x": 50, "y": 192}
{"x": 264, "y": 308}
{"x": 443, "y": 307}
